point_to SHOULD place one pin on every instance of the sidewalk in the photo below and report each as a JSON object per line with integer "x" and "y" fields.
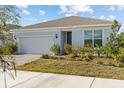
{"x": 27, "y": 79}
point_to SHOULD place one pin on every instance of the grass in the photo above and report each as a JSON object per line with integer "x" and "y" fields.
{"x": 74, "y": 68}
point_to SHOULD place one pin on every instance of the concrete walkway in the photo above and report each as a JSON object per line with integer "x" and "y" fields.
{"x": 22, "y": 59}
{"x": 27, "y": 79}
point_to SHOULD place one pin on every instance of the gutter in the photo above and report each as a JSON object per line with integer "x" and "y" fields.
{"x": 30, "y": 29}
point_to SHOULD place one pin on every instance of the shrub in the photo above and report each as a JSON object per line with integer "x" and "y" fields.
{"x": 121, "y": 54}
{"x": 86, "y": 58}
{"x": 121, "y": 65}
{"x": 75, "y": 51}
{"x": 45, "y": 56}
{"x": 86, "y": 53}
{"x": 9, "y": 49}
{"x": 1, "y": 51}
{"x": 53, "y": 57}
{"x": 121, "y": 51}
{"x": 110, "y": 63}
{"x": 68, "y": 48}
{"x": 118, "y": 58}
{"x": 98, "y": 49}
{"x": 60, "y": 58}
{"x": 55, "y": 49}
{"x": 88, "y": 48}
{"x": 98, "y": 61}
{"x": 107, "y": 50}
{"x": 78, "y": 59}
{"x": 70, "y": 56}
{"x": 89, "y": 55}
{"x": 56, "y": 57}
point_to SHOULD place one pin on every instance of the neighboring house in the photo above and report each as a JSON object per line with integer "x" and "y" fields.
{"x": 74, "y": 30}
{"x": 11, "y": 26}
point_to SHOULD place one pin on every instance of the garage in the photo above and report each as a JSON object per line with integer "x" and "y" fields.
{"x": 36, "y": 44}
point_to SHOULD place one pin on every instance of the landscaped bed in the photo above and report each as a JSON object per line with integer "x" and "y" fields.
{"x": 81, "y": 68}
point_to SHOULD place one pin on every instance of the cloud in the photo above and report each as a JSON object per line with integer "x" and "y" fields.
{"x": 32, "y": 19}
{"x": 112, "y": 8}
{"x": 70, "y": 10}
{"x": 93, "y": 17}
{"x": 109, "y": 17}
{"x": 24, "y": 9}
{"x": 22, "y": 6}
{"x": 26, "y": 12}
{"x": 121, "y": 7}
{"x": 102, "y": 17}
{"x": 45, "y": 20}
{"x": 42, "y": 12}
{"x": 117, "y": 7}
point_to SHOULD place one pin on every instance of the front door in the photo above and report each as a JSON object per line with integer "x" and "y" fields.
{"x": 69, "y": 38}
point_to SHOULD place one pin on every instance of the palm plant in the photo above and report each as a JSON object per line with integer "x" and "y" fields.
{"x": 8, "y": 15}
{"x": 6, "y": 65}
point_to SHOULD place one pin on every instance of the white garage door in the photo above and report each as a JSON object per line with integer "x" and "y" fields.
{"x": 34, "y": 45}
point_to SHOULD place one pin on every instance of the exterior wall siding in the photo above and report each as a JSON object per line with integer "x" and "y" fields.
{"x": 31, "y": 34}
{"x": 77, "y": 38}
{"x": 19, "y": 35}
{"x": 106, "y": 34}
{"x": 77, "y": 35}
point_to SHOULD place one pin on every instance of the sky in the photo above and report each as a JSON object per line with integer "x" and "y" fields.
{"x": 32, "y": 14}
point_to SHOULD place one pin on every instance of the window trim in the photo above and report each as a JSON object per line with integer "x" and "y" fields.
{"x": 93, "y": 36}
{"x": 97, "y": 38}
{"x": 101, "y": 33}
{"x": 88, "y": 39}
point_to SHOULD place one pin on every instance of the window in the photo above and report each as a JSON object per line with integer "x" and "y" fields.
{"x": 88, "y": 37}
{"x": 69, "y": 38}
{"x": 93, "y": 37}
{"x": 97, "y": 37}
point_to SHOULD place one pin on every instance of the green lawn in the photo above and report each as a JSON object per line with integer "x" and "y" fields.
{"x": 74, "y": 68}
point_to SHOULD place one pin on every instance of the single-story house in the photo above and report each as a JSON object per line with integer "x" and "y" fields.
{"x": 74, "y": 30}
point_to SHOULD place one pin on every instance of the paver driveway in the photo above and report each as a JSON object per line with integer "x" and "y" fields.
{"x": 27, "y": 79}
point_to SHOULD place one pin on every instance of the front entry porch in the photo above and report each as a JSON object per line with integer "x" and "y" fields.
{"x": 66, "y": 38}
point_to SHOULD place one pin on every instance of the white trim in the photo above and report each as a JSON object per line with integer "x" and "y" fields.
{"x": 18, "y": 40}
{"x": 19, "y": 37}
{"x": 37, "y": 36}
{"x": 93, "y": 37}
{"x": 18, "y": 44}
{"x": 103, "y": 42}
{"x": 82, "y": 37}
{"x": 66, "y": 37}
{"x": 32, "y": 29}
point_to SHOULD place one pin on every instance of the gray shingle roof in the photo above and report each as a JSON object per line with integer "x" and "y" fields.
{"x": 68, "y": 21}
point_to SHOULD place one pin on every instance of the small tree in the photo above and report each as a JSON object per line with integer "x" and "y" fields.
{"x": 9, "y": 49}
{"x": 120, "y": 56}
{"x": 120, "y": 40}
{"x": 111, "y": 47}
{"x": 107, "y": 50}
